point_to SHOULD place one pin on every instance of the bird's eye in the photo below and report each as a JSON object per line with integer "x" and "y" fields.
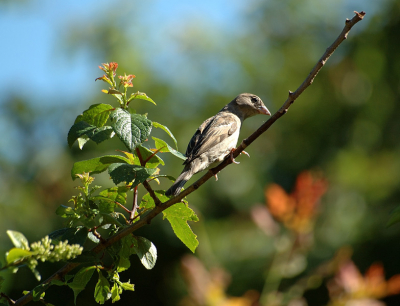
{"x": 254, "y": 100}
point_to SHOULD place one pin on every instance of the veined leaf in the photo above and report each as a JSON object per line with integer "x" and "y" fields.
{"x": 129, "y": 173}
{"x": 178, "y": 215}
{"x": 145, "y": 153}
{"x": 148, "y": 202}
{"x": 96, "y": 115}
{"x": 81, "y": 130}
{"x": 132, "y": 129}
{"x": 102, "y": 290}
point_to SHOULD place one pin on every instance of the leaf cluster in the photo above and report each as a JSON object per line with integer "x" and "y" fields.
{"x": 97, "y": 213}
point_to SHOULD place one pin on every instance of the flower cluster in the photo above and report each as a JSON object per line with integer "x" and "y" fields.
{"x": 296, "y": 210}
{"x": 350, "y": 287}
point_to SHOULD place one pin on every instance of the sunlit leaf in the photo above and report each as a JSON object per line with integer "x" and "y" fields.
{"x": 163, "y": 127}
{"x": 178, "y": 215}
{"x": 102, "y": 290}
{"x": 96, "y": 165}
{"x": 129, "y": 173}
{"x": 142, "y": 96}
{"x": 164, "y": 147}
{"x": 152, "y": 162}
{"x": 96, "y": 115}
{"x": 132, "y": 129}
{"x": 115, "y": 292}
{"x": 18, "y": 239}
{"x": 146, "y": 251}
{"x": 17, "y": 254}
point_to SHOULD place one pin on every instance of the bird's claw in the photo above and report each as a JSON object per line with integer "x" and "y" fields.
{"x": 232, "y": 159}
{"x": 245, "y": 153}
{"x": 216, "y": 177}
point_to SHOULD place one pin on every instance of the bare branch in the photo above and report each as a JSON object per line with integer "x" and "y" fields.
{"x": 246, "y": 142}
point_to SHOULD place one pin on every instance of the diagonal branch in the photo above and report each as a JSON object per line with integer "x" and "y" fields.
{"x": 59, "y": 275}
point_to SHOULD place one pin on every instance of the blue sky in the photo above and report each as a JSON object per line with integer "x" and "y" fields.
{"x": 36, "y": 65}
{"x": 30, "y": 31}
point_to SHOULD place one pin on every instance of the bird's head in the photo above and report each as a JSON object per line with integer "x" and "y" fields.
{"x": 247, "y": 105}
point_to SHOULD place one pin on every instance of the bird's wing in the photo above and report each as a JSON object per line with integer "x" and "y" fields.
{"x": 210, "y": 133}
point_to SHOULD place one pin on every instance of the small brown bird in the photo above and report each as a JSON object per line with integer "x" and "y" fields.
{"x": 217, "y": 136}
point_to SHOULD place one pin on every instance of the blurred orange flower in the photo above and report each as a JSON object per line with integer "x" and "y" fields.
{"x": 209, "y": 287}
{"x": 350, "y": 286}
{"x": 296, "y": 210}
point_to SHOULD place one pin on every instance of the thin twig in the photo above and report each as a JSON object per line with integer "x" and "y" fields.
{"x": 134, "y": 205}
{"x": 122, "y": 206}
{"x": 246, "y": 142}
{"x": 145, "y": 183}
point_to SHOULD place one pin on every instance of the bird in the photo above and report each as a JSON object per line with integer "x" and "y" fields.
{"x": 217, "y": 137}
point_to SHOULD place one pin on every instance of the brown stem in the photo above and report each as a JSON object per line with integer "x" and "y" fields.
{"x": 122, "y": 206}
{"x": 246, "y": 142}
{"x": 145, "y": 183}
{"x": 134, "y": 205}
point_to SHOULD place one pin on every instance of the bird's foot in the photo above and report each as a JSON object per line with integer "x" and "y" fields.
{"x": 232, "y": 159}
{"x": 216, "y": 177}
{"x": 245, "y": 153}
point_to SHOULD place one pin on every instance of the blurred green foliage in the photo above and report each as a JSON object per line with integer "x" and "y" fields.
{"x": 346, "y": 125}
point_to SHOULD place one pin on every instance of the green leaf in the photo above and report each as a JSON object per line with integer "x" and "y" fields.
{"x": 80, "y": 280}
{"x": 161, "y": 144}
{"x": 142, "y": 96}
{"x": 132, "y": 129}
{"x": 18, "y": 239}
{"x": 102, "y": 291}
{"x": 82, "y": 140}
{"x": 127, "y": 249}
{"x": 17, "y": 254}
{"x": 96, "y": 114}
{"x": 158, "y": 125}
{"x": 145, "y": 153}
{"x": 65, "y": 211}
{"x": 128, "y": 286}
{"x": 146, "y": 251}
{"x": 79, "y": 130}
{"x": 74, "y": 235}
{"x": 115, "y": 293}
{"x": 108, "y": 219}
{"x": 129, "y": 173}
{"x": 394, "y": 217}
{"x": 39, "y": 292}
{"x": 109, "y": 196}
{"x": 148, "y": 202}
{"x": 178, "y": 215}
{"x": 96, "y": 165}
{"x": 98, "y": 135}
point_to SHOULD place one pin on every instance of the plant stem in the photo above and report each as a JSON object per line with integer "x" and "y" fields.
{"x": 134, "y": 205}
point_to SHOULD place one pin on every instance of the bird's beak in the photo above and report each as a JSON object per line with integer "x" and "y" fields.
{"x": 263, "y": 110}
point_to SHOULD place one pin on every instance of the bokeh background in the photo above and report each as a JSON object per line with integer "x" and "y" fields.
{"x": 192, "y": 58}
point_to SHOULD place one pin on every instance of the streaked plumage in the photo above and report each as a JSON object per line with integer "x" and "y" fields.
{"x": 217, "y": 136}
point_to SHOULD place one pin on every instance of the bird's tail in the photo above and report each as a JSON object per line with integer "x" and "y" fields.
{"x": 176, "y": 188}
